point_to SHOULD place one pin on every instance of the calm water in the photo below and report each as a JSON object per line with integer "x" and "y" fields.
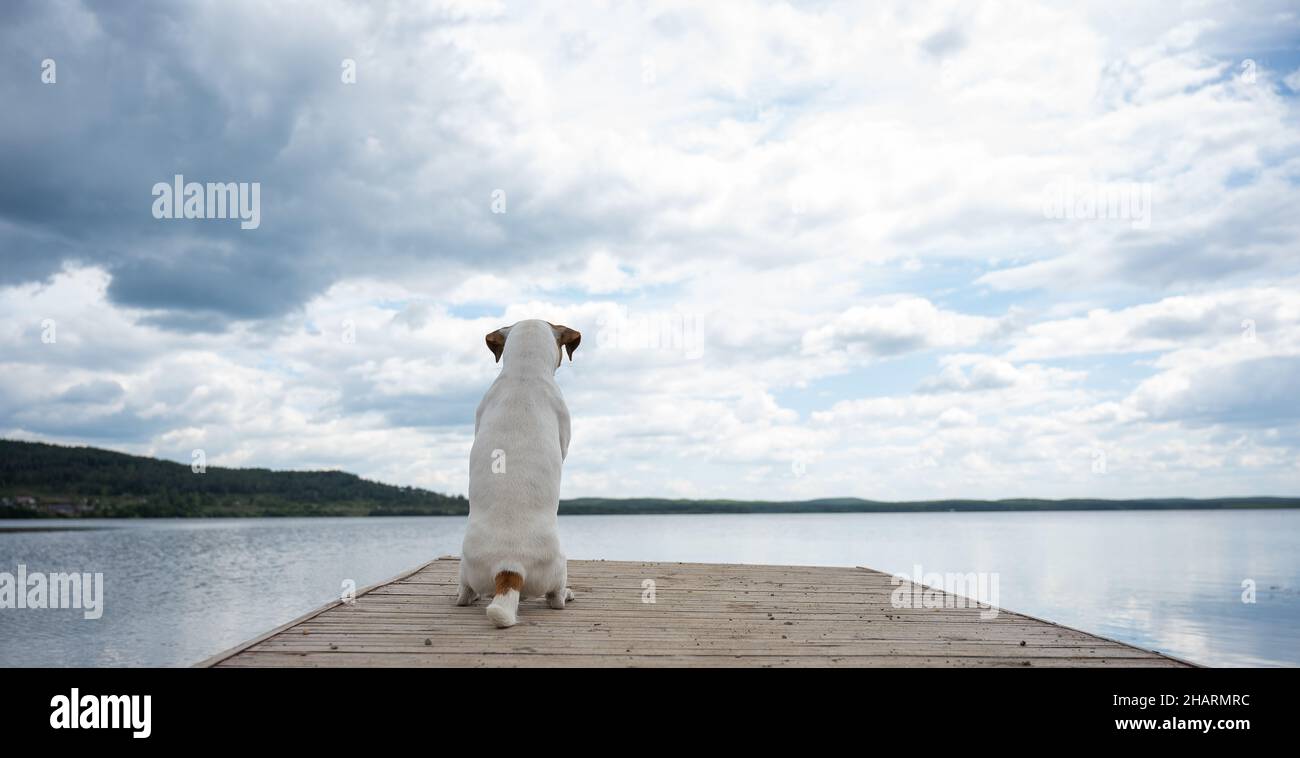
{"x": 177, "y": 591}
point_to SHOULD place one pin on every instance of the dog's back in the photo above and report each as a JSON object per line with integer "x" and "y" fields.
{"x": 514, "y": 483}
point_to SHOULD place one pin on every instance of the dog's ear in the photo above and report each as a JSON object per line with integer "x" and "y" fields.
{"x": 567, "y": 338}
{"x": 496, "y": 342}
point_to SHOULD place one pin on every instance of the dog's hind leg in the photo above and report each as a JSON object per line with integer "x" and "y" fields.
{"x": 558, "y": 598}
{"x": 465, "y": 594}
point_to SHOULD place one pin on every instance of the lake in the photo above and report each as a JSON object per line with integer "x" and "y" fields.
{"x": 179, "y": 590}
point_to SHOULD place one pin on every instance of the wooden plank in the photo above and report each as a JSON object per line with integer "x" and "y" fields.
{"x": 704, "y": 615}
{"x": 261, "y": 659}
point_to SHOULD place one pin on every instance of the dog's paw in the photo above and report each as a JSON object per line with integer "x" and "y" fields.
{"x": 558, "y": 598}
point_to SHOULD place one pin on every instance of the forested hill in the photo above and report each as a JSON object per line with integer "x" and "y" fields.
{"x": 39, "y": 480}
{"x": 601, "y": 505}
{"x": 87, "y": 481}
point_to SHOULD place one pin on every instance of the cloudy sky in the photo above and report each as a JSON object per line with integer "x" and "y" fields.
{"x": 888, "y": 250}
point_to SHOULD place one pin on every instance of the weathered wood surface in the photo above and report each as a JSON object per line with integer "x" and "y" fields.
{"x": 701, "y": 615}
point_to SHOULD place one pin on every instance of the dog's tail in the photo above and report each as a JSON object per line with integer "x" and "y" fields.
{"x": 504, "y": 608}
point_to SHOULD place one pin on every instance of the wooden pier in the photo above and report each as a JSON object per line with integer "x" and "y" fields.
{"x": 629, "y": 613}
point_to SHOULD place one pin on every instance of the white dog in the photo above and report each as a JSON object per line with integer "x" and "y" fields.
{"x": 521, "y": 437}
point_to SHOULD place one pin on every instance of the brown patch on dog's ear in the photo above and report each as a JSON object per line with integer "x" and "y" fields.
{"x": 496, "y": 342}
{"x": 567, "y": 338}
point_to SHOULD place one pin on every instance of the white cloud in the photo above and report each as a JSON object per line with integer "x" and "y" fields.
{"x": 1246, "y": 321}
{"x": 1292, "y": 80}
{"x": 974, "y": 373}
{"x": 898, "y": 326}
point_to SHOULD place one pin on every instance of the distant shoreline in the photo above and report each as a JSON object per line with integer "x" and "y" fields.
{"x": 47, "y": 483}
{"x": 44, "y": 525}
{"x": 660, "y": 507}
{"x": 613, "y": 506}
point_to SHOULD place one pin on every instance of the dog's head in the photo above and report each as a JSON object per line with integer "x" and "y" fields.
{"x": 535, "y": 336}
